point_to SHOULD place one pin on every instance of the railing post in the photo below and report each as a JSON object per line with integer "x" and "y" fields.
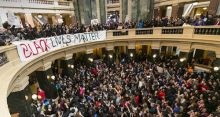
{"x": 188, "y": 31}
{"x": 157, "y": 31}
{"x": 131, "y": 32}
{"x": 109, "y": 34}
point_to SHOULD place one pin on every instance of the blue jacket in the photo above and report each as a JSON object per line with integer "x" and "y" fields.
{"x": 199, "y": 24}
{"x": 140, "y": 25}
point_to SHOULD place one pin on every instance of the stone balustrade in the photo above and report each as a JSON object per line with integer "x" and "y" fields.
{"x": 45, "y": 4}
{"x": 202, "y": 37}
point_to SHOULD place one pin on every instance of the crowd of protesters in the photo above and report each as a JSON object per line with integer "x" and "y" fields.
{"x": 8, "y": 33}
{"x": 134, "y": 89}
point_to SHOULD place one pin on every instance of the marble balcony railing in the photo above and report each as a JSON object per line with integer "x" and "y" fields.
{"x": 11, "y": 67}
{"x": 44, "y": 4}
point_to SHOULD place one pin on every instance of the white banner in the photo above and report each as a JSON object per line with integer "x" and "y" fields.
{"x": 160, "y": 69}
{"x": 11, "y": 18}
{"x": 94, "y": 21}
{"x": 31, "y": 49}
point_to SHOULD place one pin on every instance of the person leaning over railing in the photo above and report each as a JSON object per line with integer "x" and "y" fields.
{"x": 199, "y": 22}
{"x": 4, "y": 38}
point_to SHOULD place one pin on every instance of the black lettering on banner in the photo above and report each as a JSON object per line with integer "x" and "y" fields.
{"x": 68, "y": 37}
{"x": 89, "y": 35}
{"x": 83, "y": 38}
{"x": 63, "y": 39}
{"x": 93, "y": 36}
{"x": 86, "y": 36}
{"x": 58, "y": 40}
{"x": 79, "y": 38}
{"x": 97, "y": 35}
{"x": 51, "y": 39}
{"x": 75, "y": 38}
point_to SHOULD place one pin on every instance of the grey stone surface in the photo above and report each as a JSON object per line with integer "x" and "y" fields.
{"x": 124, "y": 9}
{"x": 81, "y": 9}
{"x": 94, "y": 9}
{"x": 77, "y": 14}
{"x": 141, "y": 9}
{"x": 102, "y": 11}
{"x": 18, "y": 103}
{"x": 134, "y": 10}
{"x": 87, "y": 11}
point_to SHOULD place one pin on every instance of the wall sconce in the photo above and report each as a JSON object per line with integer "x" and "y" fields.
{"x": 34, "y": 96}
{"x": 48, "y": 77}
{"x": 154, "y": 56}
{"x": 26, "y": 97}
{"x": 53, "y": 77}
{"x": 216, "y": 68}
{"x": 181, "y": 60}
{"x": 69, "y": 65}
{"x": 131, "y": 55}
{"x": 110, "y": 56}
{"x": 91, "y": 59}
{"x": 72, "y": 66}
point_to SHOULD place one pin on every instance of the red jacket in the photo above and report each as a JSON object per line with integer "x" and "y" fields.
{"x": 217, "y": 22}
{"x": 94, "y": 71}
{"x": 137, "y": 100}
{"x": 161, "y": 95}
{"x": 203, "y": 88}
{"x": 42, "y": 95}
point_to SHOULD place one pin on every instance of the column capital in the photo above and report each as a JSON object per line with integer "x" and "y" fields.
{"x": 185, "y": 47}
{"x": 176, "y": 4}
{"x": 27, "y": 14}
{"x": 45, "y": 66}
{"x": 131, "y": 44}
{"x": 155, "y": 45}
{"x": 68, "y": 57}
{"x": 109, "y": 48}
{"x": 89, "y": 51}
{"x": 20, "y": 83}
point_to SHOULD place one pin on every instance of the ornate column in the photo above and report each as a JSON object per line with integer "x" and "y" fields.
{"x": 120, "y": 11}
{"x": 73, "y": 18}
{"x": 175, "y": 9}
{"x": 88, "y": 59}
{"x": 129, "y": 9}
{"x": 156, "y": 12}
{"x": 131, "y": 50}
{"x": 20, "y": 99}
{"x": 186, "y": 53}
{"x": 46, "y": 80}
{"x": 213, "y": 6}
{"x": 98, "y": 10}
{"x": 67, "y": 65}
{"x": 29, "y": 19}
{"x": 109, "y": 54}
{"x": 124, "y": 9}
{"x": 103, "y": 11}
{"x": 155, "y": 51}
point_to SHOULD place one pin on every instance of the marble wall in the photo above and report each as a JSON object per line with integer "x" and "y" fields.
{"x": 86, "y": 10}
{"x": 20, "y": 102}
{"x": 141, "y": 9}
{"x": 77, "y": 13}
{"x": 124, "y": 9}
{"x": 134, "y": 11}
{"x": 94, "y": 9}
{"x": 102, "y": 11}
